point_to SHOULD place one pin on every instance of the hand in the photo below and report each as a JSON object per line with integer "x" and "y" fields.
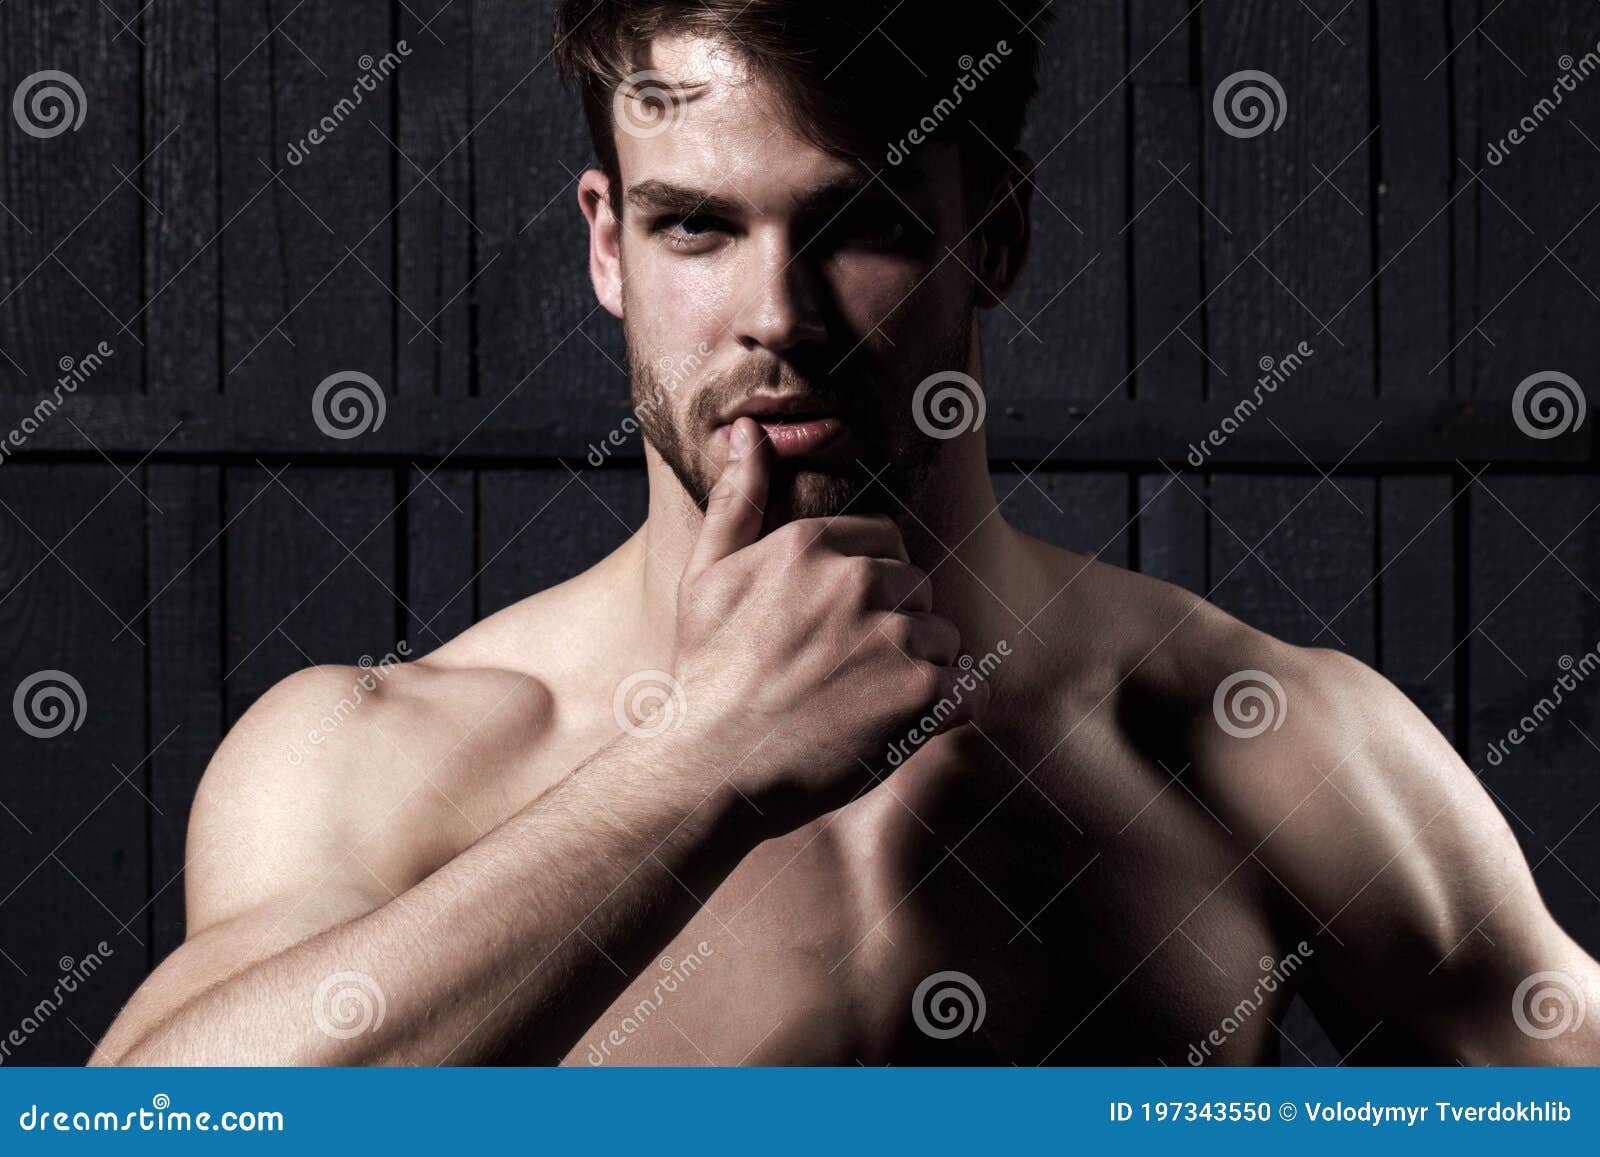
{"x": 809, "y": 651}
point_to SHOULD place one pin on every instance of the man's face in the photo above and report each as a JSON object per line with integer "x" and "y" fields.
{"x": 763, "y": 276}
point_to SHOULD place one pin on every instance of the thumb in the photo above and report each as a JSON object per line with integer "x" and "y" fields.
{"x": 738, "y": 501}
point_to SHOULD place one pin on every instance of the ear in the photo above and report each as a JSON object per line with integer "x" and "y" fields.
{"x": 605, "y": 239}
{"x": 1007, "y": 231}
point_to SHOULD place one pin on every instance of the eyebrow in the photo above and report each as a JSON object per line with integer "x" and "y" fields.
{"x": 659, "y": 196}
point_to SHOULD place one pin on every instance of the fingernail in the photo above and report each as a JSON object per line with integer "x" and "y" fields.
{"x": 741, "y": 442}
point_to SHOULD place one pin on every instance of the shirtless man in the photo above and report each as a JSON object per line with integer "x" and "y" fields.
{"x": 686, "y": 807}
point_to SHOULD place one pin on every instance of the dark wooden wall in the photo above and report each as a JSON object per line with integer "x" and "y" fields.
{"x": 180, "y": 535}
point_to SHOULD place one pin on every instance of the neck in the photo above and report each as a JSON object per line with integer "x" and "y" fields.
{"x": 953, "y": 531}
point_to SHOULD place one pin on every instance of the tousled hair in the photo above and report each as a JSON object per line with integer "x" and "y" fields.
{"x": 866, "y": 79}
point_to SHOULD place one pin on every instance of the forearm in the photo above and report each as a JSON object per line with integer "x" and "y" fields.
{"x": 518, "y": 943}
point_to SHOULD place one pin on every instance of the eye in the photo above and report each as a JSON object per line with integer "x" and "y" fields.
{"x": 877, "y": 227}
{"x": 690, "y": 231}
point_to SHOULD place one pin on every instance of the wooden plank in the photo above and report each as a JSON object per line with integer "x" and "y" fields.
{"x": 307, "y": 254}
{"x": 536, "y": 313}
{"x": 1073, "y": 299}
{"x": 1455, "y": 362}
{"x": 1391, "y": 431}
{"x": 1288, "y": 249}
{"x": 310, "y": 573}
{"x": 1309, "y": 580}
{"x": 441, "y": 527}
{"x": 1531, "y": 614}
{"x": 73, "y": 857}
{"x": 1410, "y": 300}
{"x": 185, "y": 545}
{"x": 1417, "y": 592}
{"x": 434, "y": 227}
{"x": 542, "y": 527}
{"x": 1169, "y": 321}
{"x": 1172, "y": 529}
{"x": 181, "y": 302}
{"x": 1161, "y": 40}
{"x": 69, "y": 232}
{"x": 1537, "y": 310}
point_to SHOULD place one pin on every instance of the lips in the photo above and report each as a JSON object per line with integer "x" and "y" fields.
{"x": 793, "y": 429}
{"x": 804, "y": 437}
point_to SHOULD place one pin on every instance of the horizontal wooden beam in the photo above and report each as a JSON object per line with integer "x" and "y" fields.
{"x": 1370, "y": 433}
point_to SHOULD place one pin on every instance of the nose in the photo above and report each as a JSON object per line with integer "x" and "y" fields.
{"x": 780, "y": 299}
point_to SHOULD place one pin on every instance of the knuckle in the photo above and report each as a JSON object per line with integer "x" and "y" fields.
{"x": 898, "y": 630}
{"x": 855, "y": 580}
{"x": 925, "y": 682}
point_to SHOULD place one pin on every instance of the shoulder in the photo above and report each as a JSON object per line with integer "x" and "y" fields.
{"x": 320, "y": 773}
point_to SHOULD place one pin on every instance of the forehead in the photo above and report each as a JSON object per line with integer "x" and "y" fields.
{"x": 700, "y": 118}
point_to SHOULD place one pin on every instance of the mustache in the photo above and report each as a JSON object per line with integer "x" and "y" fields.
{"x": 844, "y": 395}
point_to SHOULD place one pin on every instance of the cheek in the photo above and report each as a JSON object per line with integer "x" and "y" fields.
{"x": 673, "y": 305}
{"x": 900, "y": 306}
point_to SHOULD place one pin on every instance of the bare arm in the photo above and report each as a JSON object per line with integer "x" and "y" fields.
{"x": 1428, "y": 939}
{"x": 505, "y": 944}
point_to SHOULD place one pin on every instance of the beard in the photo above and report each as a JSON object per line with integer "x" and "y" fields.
{"x": 892, "y": 458}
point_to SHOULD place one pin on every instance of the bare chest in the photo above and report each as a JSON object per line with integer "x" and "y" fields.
{"x": 971, "y": 909}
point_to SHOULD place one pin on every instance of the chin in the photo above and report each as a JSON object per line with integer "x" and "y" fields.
{"x": 815, "y": 494}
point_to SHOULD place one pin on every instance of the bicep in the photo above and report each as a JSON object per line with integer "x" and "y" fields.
{"x": 266, "y": 866}
{"x": 1398, "y": 869}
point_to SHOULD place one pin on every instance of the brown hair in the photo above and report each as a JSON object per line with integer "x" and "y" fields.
{"x": 867, "y": 79}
